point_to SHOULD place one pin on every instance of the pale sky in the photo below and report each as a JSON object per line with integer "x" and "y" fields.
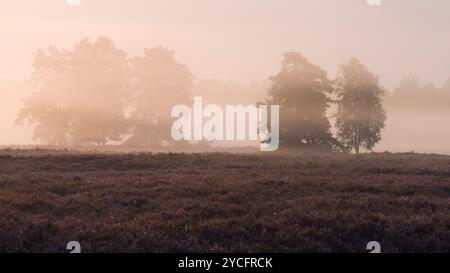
{"x": 241, "y": 40}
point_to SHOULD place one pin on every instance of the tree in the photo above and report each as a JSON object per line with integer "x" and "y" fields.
{"x": 160, "y": 83}
{"x": 410, "y": 84}
{"x": 301, "y": 89}
{"x": 360, "y": 116}
{"x": 79, "y": 95}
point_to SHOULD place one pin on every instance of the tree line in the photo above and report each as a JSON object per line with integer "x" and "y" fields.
{"x": 95, "y": 93}
{"x": 412, "y": 94}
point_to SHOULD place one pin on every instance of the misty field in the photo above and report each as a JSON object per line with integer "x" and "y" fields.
{"x": 217, "y": 202}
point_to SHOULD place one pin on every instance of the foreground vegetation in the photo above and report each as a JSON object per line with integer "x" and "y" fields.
{"x": 223, "y": 202}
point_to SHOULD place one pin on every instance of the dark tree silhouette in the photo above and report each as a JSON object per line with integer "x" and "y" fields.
{"x": 301, "y": 89}
{"x": 360, "y": 116}
{"x": 79, "y": 94}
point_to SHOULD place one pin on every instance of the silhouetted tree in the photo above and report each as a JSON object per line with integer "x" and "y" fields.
{"x": 360, "y": 116}
{"x": 301, "y": 89}
{"x": 160, "y": 83}
{"x": 79, "y": 95}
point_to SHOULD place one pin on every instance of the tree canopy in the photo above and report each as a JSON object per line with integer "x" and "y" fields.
{"x": 95, "y": 93}
{"x": 159, "y": 83}
{"x": 79, "y": 94}
{"x": 301, "y": 89}
{"x": 360, "y": 116}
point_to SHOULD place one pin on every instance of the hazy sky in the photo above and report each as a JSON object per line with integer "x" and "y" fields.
{"x": 241, "y": 39}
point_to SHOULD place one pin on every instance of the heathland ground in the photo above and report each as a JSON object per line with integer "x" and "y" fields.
{"x": 214, "y": 202}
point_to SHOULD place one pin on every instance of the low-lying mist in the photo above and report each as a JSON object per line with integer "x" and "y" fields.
{"x": 407, "y": 130}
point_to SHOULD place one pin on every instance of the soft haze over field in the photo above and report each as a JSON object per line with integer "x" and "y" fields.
{"x": 244, "y": 41}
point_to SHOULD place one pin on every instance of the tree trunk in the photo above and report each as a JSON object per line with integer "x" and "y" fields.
{"x": 357, "y": 142}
